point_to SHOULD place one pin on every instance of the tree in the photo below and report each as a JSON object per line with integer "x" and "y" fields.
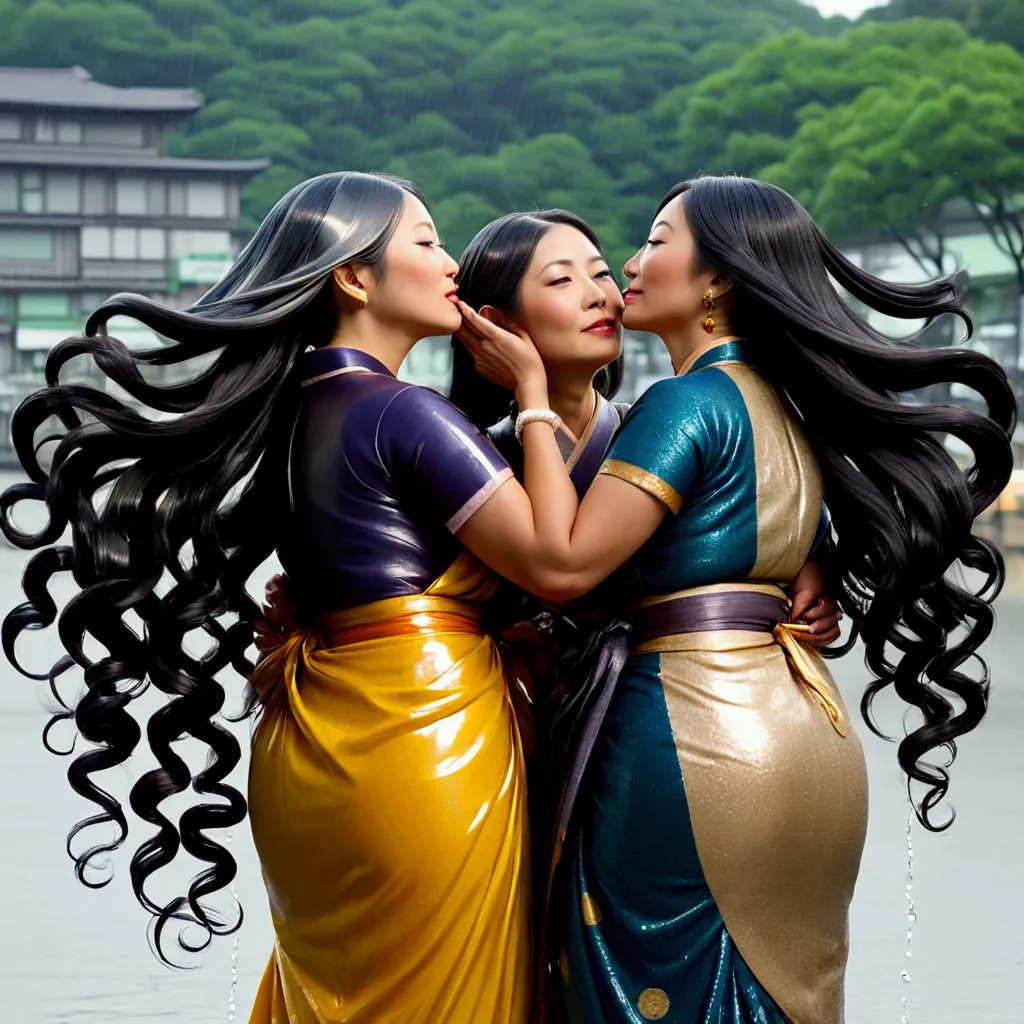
{"x": 743, "y": 117}
{"x": 894, "y": 159}
{"x": 998, "y": 21}
{"x": 439, "y": 89}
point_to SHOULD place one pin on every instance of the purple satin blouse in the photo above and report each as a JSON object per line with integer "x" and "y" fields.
{"x": 382, "y": 474}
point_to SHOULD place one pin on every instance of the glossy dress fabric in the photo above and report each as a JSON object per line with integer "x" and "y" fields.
{"x": 721, "y": 830}
{"x": 387, "y": 790}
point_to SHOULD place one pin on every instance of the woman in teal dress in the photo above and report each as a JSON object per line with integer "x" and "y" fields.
{"x": 719, "y": 835}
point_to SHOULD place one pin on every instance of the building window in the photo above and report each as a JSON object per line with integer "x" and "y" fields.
{"x": 95, "y": 244}
{"x": 130, "y": 196}
{"x": 31, "y": 192}
{"x": 206, "y": 199}
{"x": 200, "y": 243}
{"x": 45, "y": 131}
{"x": 152, "y": 244}
{"x": 19, "y": 244}
{"x": 156, "y": 197}
{"x": 62, "y": 193}
{"x": 10, "y": 128}
{"x": 113, "y": 134}
{"x": 44, "y": 306}
{"x": 123, "y": 244}
{"x": 94, "y": 196}
{"x": 8, "y": 190}
{"x": 69, "y": 132}
{"x": 176, "y": 198}
{"x": 6, "y": 306}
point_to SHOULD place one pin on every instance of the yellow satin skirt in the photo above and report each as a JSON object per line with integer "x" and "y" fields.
{"x": 388, "y": 807}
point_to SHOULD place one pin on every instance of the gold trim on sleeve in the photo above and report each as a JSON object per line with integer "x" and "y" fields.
{"x": 648, "y": 482}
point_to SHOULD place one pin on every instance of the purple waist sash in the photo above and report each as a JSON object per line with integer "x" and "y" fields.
{"x": 697, "y": 613}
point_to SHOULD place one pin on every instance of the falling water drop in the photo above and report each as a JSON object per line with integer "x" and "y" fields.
{"x": 234, "y": 952}
{"x": 911, "y": 912}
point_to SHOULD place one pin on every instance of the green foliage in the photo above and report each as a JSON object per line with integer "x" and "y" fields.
{"x": 998, "y": 21}
{"x": 753, "y": 108}
{"x": 488, "y": 105}
{"x": 595, "y": 105}
{"x": 897, "y": 156}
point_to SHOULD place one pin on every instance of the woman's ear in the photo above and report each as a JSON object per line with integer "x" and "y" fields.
{"x": 502, "y": 320}
{"x": 346, "y": 279}
{"x": 721, "y": 285}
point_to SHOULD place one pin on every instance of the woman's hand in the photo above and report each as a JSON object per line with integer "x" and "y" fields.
{"x": 813, "y": 607}
{"x": 507, "y": 358}
{"x": 279, "y": 615}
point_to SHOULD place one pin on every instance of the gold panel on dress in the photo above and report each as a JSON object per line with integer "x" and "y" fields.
{"x": 789, "y": 485}
{"x": 778, "y": 804}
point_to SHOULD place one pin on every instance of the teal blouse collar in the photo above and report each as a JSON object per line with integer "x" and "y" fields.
{"x": 739, "y": 351}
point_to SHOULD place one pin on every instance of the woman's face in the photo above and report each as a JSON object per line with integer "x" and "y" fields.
{"x": 666, "y": 284}
{"x": 417, "y": 291}
{"x": 570, "y": 305}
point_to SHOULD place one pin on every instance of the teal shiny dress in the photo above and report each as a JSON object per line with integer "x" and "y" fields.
{"x": 719, "y": 835}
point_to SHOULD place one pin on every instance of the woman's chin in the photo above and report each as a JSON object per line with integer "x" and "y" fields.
{"x": 447, "y": 324}
{"x": 634, "y": 319}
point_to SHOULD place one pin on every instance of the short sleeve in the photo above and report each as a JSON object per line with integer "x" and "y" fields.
{"x": 656, "y": 449}
{"x": 440, "y": 457}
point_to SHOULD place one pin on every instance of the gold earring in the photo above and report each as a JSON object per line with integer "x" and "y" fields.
{"x": 362, "y": 303}
{"x": 708, "y": 322}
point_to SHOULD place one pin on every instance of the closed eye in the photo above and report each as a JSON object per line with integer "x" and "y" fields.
{"x": 654, "y": 241}
{"x": 432, "y": 244}
{"x": 561, "y": 280}
{"x": 604, "y": 273}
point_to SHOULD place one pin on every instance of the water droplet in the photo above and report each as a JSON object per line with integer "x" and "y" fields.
{"x": 905, "y": 977}
{"x": 911, "y": 917}
{"x": 910, "y": 935}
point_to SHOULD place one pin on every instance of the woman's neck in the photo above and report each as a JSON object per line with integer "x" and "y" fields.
{"x": 366, "y": 334}
{"x": 574, "y": 400}
{"x": 684, "y": 344}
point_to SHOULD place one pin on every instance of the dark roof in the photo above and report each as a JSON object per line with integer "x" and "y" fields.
{"x": 130, "y": 159}
{"x": 73, "y": 88}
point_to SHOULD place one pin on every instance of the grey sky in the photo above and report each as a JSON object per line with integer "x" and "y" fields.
{"x": 851, "y": 8}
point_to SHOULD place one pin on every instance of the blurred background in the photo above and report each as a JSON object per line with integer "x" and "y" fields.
{"x": 141, "y": 141}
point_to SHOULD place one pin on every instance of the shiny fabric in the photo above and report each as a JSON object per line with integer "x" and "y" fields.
{"x": 582, "y": 647}
{"x": 382, "y": 475}
{"x": 723, "y": 439}
{"x": 739, "y": 607}
{"x": 719, "y": 836}
{"x": 388, "y": 807}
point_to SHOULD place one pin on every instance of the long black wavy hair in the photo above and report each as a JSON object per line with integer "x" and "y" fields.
{"x": 197, "y": 493}
{"x": 903, "y": 511}
{"x": 491, "y": 273}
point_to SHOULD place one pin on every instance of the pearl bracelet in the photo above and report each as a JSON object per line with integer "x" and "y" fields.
{"x": 536, "y": 416}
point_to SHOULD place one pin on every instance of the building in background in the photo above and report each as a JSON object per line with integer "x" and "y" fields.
{"x": 89, "y": 207}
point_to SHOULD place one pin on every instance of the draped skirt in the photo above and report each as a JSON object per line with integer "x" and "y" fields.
{"x": 388, "y": 808}
{"x": 719, "y": 836}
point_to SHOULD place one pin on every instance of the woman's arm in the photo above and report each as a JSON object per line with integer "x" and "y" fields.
{"x": 508, "y": 533}
{"x": 537, "y": 535}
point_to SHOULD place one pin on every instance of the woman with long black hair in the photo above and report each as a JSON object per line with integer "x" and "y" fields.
{"x": 720, "y": 834}
{"x": 386, "y": 784}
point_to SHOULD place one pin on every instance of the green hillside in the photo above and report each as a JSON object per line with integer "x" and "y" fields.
{"x": 488, "y": 105}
